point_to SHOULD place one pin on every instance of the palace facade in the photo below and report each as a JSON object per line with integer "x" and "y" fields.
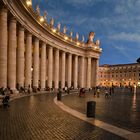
{"x": 119, "y": 75}
{"x": 35, "y": 53}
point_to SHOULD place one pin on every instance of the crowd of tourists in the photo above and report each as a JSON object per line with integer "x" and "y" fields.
{"x": 107, "y": 91}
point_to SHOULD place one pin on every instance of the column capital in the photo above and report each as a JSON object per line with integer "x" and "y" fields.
{"x": 13, "y": 19}
{"x": 50, "y": 47}
{"x": 89, "y": 57}
{"x": 75, "y": 55}
{"x": 29, "y": 34}
{"x": 43, "y": 43}
{"x": 36, "y": 39}
{"x": 4, "y": 9}
{"x": 21, "y": 28}
{"x": 57, "y": 50}
{"x": 63, "y": 52}
{"x": 82, "y": 56}
{"x": 69, "y": 54}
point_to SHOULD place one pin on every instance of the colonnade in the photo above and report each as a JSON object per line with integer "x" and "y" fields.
{"x": 26, "y": 60}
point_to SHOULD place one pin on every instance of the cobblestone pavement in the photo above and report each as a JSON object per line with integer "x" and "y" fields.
{"x": 122, "y": 109}
{"x": 38, "y": 118}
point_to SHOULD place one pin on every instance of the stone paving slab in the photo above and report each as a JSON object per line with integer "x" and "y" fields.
{"x": 38, "y": 118}
{"x": 122, "y": 110}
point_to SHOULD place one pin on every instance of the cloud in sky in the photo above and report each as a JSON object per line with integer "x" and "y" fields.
{"x": 130, "y": 37}
{"x": 124, "y": 51}
{"x": 79, "y": 3}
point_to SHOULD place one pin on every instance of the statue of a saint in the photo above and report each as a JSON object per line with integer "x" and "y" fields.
{"x": 45, "y": 15}
{"x": 77, "y": 36}
{"x": 58, "y": 26}
{"x": 83, "y": 38}
{"x": 97, "y": 42}
{"x": 64, "y": 29}
{"x": 71, "y": 33}
{"x": 51, "y": 22}
{"x": 91, "y": 37}
{"x": 37, "y": 10}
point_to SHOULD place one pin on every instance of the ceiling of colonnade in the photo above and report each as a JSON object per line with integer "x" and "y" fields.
{"x": 115, "y": 23}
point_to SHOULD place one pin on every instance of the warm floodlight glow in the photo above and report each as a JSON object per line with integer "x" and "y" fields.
{"x": 95, "y": 47}
{"x": 54, "y": 30}
{"x": 78, "y": 43}
{"x": 28, "y": 2}
{"x": 41, "y": 19}
{"x": 66, "y": 38}
{"x": 31, "y": 69}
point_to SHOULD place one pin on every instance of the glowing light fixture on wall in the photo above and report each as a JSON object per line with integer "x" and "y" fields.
{"x": 54, "y": 30}
{"x": 78, "y": 43}
{"x": 29, "y": 2}
{"x": 65, "y": 37}
{"x": 41, "y": 19}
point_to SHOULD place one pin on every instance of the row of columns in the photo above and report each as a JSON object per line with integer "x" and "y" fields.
{"x": 26, "y": 63}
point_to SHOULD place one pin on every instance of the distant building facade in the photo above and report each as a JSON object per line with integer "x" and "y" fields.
{"x": 119, "y": 75}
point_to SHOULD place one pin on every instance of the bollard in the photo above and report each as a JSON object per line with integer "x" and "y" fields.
{"x": 91, "y": 109}
{"x": 59, "y": 96}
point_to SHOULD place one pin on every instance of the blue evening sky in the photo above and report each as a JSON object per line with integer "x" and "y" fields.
{"x": 115, "y": 22}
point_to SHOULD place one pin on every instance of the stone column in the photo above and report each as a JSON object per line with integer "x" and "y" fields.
{"x": 50, "y": 67}
{"x": 92, "y": 72}
{"x": 12, "y": 44}
{"x": 96, "y": 71}
{"x": 3, "y": 48}
{"x": 56, "y": 69}
{"x": 88, "y": 72}
{"x": 63, "y": 69}
{"x": 75, "y": 71}
{"x": 36, "y": 63}
{"x": 28, "y": 60}
{"x": 81, "y": 82}
{"x": 69, "y": 69}
{"x": 20, "y": 57}
{"x": 43, "y": 66}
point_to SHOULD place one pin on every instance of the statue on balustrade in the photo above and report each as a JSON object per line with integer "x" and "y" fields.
{"x": 58, "y": 26}
{"x": 71, "y": 33}
{"x": 83, "y": 38}
{"x": 37, "y": 10}
{"x": 90, "y": 38}
{"x": 97, "y": 42}
{"x": 64, "y": 29}
{"x": 45, "y": 15}
{"x": 51, "y": 22}
{"x": 77, "y": 36}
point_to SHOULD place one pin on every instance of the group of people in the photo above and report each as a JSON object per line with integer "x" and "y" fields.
{"x": 5, "y": 96}
{"x": 109, "y": 92}
{"x": 97, "y": 91}
{"x": 82, "y": 92}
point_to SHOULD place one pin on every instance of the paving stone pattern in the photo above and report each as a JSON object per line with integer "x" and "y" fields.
{"x": 38, "y": 118}
{"x": 122, "y": 109}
